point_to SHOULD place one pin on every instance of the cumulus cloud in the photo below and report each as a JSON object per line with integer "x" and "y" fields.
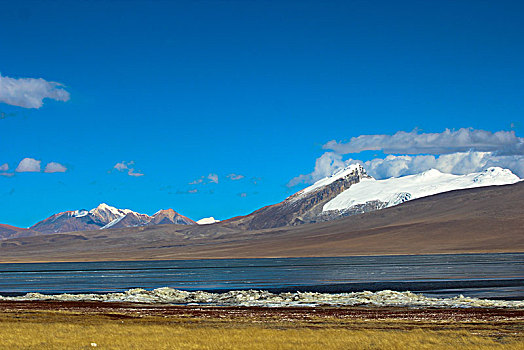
{"x": 394, "y": 166}
{"x": 127, "y": 167}
{"x": 455, "y": 163}
{"x": 213, "y": 178}
{"x": 54, "y": 167}
{"x": 28, "y": 165}
{"x": 452, "y": 151}
{"x": 325, "y": 165}
{"x": 235, "y": 177}
{"x": 30, "y": 92}
{"x": 449, "y": 141}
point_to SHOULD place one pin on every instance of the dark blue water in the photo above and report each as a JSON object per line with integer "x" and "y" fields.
{"x": 494, "y": 276}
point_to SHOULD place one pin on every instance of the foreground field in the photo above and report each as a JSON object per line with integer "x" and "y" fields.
{"x": 51, "y": 325}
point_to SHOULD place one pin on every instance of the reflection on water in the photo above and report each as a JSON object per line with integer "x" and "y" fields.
{"x": 476, "y": 275}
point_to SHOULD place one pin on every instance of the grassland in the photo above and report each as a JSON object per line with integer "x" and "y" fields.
{"x": 77, "y": 326}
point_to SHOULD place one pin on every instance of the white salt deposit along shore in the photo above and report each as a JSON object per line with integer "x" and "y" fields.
{"x": 265, "y": 299}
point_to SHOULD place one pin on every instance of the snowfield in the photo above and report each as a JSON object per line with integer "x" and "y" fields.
{"x": 394, "y": 191}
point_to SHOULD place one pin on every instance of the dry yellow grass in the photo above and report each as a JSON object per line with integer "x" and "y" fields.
{"x": 112, "y": 336}
{"x": 64, "y": 330}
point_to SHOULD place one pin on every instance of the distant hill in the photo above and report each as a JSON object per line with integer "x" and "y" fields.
{"x": 8, "y": 231}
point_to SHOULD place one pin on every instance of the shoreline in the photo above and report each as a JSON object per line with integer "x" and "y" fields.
{"x": 358, "y": 312}
{"x": 192, "y": 258}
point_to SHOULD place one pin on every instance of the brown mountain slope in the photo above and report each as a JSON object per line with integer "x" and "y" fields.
{"x": 8, "y": 231}
{"x": 300, "y": 208}
{"x": 489, "y": 219}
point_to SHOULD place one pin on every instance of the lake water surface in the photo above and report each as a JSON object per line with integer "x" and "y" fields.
{"x": 491, "y": 276}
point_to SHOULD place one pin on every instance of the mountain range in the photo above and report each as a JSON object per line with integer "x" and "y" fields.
{"x": 474, "y": 220}
{"x": 348, "y": 191}
{"x": 105, "y": 216}
{"x": 351, "y": 191}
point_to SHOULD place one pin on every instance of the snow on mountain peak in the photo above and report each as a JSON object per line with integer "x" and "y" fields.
{"x": 431, "y": 173}
{"x": 80, "y": 213}
{"x": 352, "y": 169}
{"x": 108, "y": 213}
{"x": 495, "y": 174}
{"x": 397, "y": 190}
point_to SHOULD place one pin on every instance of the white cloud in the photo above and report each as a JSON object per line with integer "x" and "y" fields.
{"x": 127, "y": 166}
{"x": 235, "y": 177}
{"x": 325, "y": 165}
{"x": 3, "y": 170}
{"x": 54, "y": 167}
{"x": 132, "y": 172}
{"x": 122, "y": 166}
{"x": 28, "y": 165}
{"x": 456, "y": 163}
{"x": 395, "y": 166}
{"x": 213, "y": 178}
{"x": 197, "y": 181}
{"x": 452, "y": 151}
{"x": 30, "y": 92}
{"x": 449, "y": 141}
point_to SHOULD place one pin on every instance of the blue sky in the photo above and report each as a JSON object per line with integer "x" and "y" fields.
{"x": 179, "y": 90}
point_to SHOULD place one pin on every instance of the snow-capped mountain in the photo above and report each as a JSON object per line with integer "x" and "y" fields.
{"x": 370, "y": 194}
{"x": 304, "y": 206}
{"x": 348, "y": 191}
{"x": 351, "y": 191}
{"x": 105, "y": 216}
{"x": 207, "y": 221}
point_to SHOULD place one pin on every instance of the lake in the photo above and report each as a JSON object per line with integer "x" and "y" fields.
{"x": 491, "y": 276}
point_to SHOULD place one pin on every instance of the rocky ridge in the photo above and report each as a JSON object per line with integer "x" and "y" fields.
{"x": 351, "y": 191}
{"x": 304, "y": 206}
{"x": 104, "y": 217}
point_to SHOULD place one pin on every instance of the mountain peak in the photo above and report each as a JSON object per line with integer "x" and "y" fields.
{"x": 350, "y": 170}
{"x": 105, "y": 216}
{"x": 169, "y": 216}
{"x": 378, "y": 194}
{"x": 431, "y": 172}
{"x": 169, "y": 212}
